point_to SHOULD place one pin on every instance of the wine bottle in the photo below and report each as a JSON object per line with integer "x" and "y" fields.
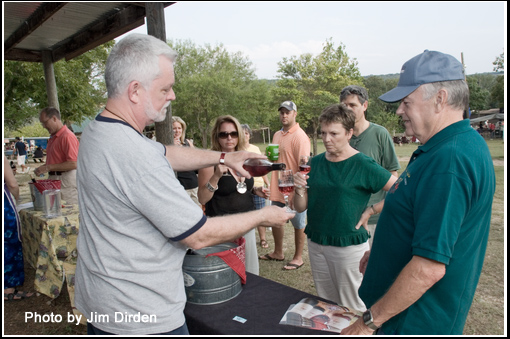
{"x": 261, "y": 167}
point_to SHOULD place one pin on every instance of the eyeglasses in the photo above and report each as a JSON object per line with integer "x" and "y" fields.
{"x": 45, "y": 121}
{"x": 225, "y": 135}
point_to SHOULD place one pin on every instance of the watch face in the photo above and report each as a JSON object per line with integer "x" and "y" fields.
{"x": 367, "y": 317}
{"x": 368, "y": 320}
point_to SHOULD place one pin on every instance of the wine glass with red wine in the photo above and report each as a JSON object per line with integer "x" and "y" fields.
{"x": 286, "y": 185}
{"x": 304, "y": 165}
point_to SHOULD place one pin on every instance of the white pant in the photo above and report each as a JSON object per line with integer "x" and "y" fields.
{"x": 371, "y": 229}
{"x": 68, "y": 188}
{"x": 336, "y": 273}
{"x": 252, "y": 258}
{"x": 21, "y": 160}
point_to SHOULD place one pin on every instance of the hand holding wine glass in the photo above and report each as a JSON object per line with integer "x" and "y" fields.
{"x": 304, "y": 165}
{"x": 286, "y": 186}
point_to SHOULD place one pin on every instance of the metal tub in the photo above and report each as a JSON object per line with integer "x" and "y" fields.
{"x": 209, "y": 280}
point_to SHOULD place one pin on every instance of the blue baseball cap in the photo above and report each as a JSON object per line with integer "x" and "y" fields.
{"x": 427, "y": 67}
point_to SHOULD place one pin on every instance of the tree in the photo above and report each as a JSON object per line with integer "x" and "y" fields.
{"x": 499, "y": 63}
{"x": 211, "y": 82}
{"x": 478, "y": 97}
{"x": 314, "y": 83}
{"x": 498, "y": 91}
{"x": 80, "y": 87}
{"x": 380, "y": 112}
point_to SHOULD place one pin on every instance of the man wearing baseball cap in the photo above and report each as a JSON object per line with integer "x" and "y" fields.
{"x": 293, "y": 142}
{"x": 432, "y": 234}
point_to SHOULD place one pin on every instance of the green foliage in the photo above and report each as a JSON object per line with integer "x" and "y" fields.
{"x": 35, "y": 129}
{"x": 499, "y": 63}
{"x": 380, "y": 112}
{"x": 486, "y": 91}
{"x": 211, "y": 82}
{"x": 498, "y": 92}
{"x": 314, "y": 83}
{"x": 478, "y": 96}
{"x": 80, "y": 88}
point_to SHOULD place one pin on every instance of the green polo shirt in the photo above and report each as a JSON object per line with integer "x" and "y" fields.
{"x": 376, "y": 142}
{"x": 440, "y": 209}
{"x": 338, "y": 195}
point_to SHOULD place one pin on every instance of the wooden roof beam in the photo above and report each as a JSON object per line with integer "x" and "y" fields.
{"x": 41, "y": 15}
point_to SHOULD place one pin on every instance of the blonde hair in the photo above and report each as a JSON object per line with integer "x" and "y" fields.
{"x": 215, "y": 143}
{"x": 183, "y": 124}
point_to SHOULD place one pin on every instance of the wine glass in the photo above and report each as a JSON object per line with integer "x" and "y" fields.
{"x": 286, "y": 186}
{"x": 304, "y": 165}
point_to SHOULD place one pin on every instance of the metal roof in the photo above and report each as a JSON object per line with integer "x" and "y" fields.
{"x": 67, "y": 29}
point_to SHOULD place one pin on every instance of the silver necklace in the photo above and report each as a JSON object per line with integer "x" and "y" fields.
{"x": 241, "y": 185}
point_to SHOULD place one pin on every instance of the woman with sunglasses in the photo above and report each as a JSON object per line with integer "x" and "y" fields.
{"x": 222, "y": 191}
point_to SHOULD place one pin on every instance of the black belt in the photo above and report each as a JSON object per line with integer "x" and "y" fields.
{"x": 55, "y": 173}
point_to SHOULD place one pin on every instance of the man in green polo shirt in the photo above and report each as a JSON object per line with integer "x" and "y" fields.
{"x": 370, "y": 139}
{"x": 432, "y": 234}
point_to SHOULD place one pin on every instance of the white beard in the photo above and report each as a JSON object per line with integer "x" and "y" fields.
{"x": 154, "y": 115}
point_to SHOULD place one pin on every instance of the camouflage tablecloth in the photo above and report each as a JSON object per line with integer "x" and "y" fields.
{"x": 49, "y": 245}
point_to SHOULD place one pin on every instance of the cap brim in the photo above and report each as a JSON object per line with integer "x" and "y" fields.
{"x": 398, "y": 93}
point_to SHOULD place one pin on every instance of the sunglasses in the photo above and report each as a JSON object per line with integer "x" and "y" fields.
{"x": 225, "y": 135}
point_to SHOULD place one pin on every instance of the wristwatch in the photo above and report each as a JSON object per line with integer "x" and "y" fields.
{"x": 222, "y": 158}
{"x": 210, "y": 187}
{"x": 369, "y": 321}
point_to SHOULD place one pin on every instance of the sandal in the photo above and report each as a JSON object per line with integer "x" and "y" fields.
{"x": 17, "y": 295}
{"x": 293, "y": 267}
{"x": 268, "y": 257}
{"x": 264, "y": 244}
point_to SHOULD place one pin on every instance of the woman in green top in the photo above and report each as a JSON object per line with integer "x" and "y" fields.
{"x": 340, "y": 184}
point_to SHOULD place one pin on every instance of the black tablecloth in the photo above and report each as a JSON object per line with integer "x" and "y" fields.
{"x": 262, "y": 303}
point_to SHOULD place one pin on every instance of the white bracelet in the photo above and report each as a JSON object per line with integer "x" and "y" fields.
{"x": 210, "y": 187}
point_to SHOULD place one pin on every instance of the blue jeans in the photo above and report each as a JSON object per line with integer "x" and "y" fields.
{"x": 183, "y": 330}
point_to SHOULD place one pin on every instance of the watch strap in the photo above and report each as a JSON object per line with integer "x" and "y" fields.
{"x": 222, "y": 158}
{"x": 369, "y": 321}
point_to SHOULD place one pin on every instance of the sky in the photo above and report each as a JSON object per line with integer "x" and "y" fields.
{"x": 381, "y": 36}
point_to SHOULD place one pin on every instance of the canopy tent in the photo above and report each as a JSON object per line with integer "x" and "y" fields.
{"x": 500, "y": 116}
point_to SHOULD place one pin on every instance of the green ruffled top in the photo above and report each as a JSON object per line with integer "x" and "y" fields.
{"x": 338, "y": 195}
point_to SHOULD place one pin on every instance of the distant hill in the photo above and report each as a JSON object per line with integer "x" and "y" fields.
{"x": 397, "y": 75}
{"x": 384, "y": 76}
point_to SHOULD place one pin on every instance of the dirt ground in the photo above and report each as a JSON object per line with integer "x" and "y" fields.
{"x": 20, "y": 315}
{"x": 17, "y": 313}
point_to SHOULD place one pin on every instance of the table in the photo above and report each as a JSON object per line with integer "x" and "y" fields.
{"x": 49, "y": 245}
{"x": 262, "y": 303}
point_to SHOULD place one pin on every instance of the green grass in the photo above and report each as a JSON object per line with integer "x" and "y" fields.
{"x": 487, "y": 313}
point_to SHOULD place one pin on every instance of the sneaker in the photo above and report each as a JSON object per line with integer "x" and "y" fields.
{"x": 28, "y": 170}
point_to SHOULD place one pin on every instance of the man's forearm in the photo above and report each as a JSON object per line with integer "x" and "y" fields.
{"x": 62, "y": 167}
{"x": 189, "y": 159}
{"x": 419, "y": 275}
